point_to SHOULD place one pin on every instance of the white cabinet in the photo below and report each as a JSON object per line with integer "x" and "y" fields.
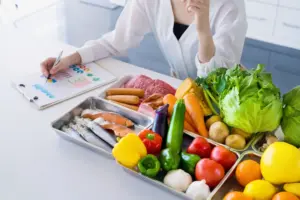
{"x": 290, "y": 3}
{"x": 274, "y": 21}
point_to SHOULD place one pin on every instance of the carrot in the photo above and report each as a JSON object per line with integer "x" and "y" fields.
{"x": 125, "y": 91}
{"x": 127, "y": 105}
{"x": 129, "y": 99}
{"x": 189, "y": 127}
{"x": 171, "y": 100}
{"x": 194, "y": 109}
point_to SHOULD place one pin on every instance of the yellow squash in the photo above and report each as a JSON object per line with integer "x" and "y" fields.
{"x": 189, "y": 86}
{"x": 129, "y": 150}
{"x": 280, "y": 163}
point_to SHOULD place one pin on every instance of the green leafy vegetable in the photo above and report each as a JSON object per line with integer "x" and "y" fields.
{"x": 251, "y": 102}
{"x": 291, "y": 117}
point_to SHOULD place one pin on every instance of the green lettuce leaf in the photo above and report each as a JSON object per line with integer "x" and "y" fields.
{"x": 250, "y": 101}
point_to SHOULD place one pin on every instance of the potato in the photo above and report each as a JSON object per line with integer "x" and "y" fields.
{"x": 236, "y": 141}
{"x": 211, "y": 120}
{"x": 218, "y": 132}
{"x": 241, "y": 133}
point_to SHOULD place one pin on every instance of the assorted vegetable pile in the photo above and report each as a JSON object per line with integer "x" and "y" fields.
{"x": 266, "y": 180}
{"x": 195, "y": 169}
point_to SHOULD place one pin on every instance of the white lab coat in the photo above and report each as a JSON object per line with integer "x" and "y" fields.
{"x": 227, "y": 21}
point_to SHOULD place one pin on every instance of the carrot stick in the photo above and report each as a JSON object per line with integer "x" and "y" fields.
{"x": 171, "y": 100}
{"x": 128, "y": 99}
{"x": 194, "y": 109}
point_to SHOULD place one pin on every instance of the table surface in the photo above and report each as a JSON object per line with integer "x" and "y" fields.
{"x": 36, "y": 164}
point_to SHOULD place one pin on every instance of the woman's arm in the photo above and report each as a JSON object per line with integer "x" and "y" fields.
{"x": 130, "y": 29}
{"x": 224, "y": 49}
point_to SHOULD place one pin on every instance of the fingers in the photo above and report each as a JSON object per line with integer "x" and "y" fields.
{"x": 46, "y": 65}
{"x": 196, "y": 5}
{"x": 57, "y": 68}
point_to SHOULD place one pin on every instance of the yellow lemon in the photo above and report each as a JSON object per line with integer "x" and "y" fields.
{"x": 260, "y": 190}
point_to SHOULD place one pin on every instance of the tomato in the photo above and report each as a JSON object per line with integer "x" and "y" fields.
{"x": 236, "y": 196}
{"x": 210, "y": 171}
{"x": 200, "y": 147}
{"x": 223, "y": 156}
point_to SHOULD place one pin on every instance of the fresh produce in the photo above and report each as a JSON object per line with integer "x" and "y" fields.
{"x": 184, "y": 88}
{"x": 247, "y": 171}
{"x": 280, "y": 163}
{"x": 149, "y": 166}
{"x": 247, "y": 99}
{"x": 175, "y": 133}
{"x": 128, "y": 99}
{"x": 285, "y": 196}
{"x": 195, "y": 111}
{"x": 178, "y": 180}
{"x": 292, "y": 188}
{"x": 188, "y": 162}
{"x": 218, "y": 132}
{"x": 151, "y": 140}
{"x": 260, "y": 190}
{"x": 200, "y": 147}
{"x": 210, "y": 171}
{"x": 169, "y": 159}
{"x": 270, "y": 139}
{"x": 107, "y": 116}
{"x": 189, "y": 127}
{"x": 171, "y": 100}
{"x": 291, "y": 117}
{"x": 160, "y": 123}
{"x": 132, "y": 107}
{"x": 223, "y": 156}
{"x": 211, "y": 120}
{"x": 198, "y": 190}
{"x": 129, "y": 150}
{"x": 125, "y": 91}
{"x": 235, "y": 141}
{"x": 236, "y": 196}
{"x": 241, "y": 133}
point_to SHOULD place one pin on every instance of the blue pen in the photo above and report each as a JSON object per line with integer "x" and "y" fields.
{"x": 55, "y": 63}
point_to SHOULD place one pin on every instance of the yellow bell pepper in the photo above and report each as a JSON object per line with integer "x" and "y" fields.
{"x": 129, "y": 150}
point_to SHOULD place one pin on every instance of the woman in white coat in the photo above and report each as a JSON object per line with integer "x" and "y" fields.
{"x": 195, "y": 36}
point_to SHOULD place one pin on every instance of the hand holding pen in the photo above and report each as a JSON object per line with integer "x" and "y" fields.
{"x": 51, "y": 65}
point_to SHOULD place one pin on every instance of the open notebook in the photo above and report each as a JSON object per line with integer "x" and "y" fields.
{"x": 72, "y": 82}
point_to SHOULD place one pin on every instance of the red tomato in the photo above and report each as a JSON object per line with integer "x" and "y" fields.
{"x": 223, "y": 156}
{"x": 200, "y": 147}
{"x": 210, "y": 171}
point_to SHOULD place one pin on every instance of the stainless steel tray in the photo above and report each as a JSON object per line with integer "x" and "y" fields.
{"x": 186, "y": 141}
{"x": 258, "y": 142}
{"x": 140, "y": 122}
{"x": 230, "y": 183}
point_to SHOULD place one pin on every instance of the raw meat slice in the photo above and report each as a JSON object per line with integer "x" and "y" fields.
{"x": 141, "y": 82}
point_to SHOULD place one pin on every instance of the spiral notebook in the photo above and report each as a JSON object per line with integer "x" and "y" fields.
{"x": 74, "y": 81}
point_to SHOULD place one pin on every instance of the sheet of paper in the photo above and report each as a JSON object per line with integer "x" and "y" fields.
{"x": 69, "y": 83}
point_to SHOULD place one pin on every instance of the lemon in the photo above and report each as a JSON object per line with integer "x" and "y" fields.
{"x": 260, "y": 190}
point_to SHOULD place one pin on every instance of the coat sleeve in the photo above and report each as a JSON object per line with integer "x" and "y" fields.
{"x": 130, "y": 29}
{"x": 230, "y": 32}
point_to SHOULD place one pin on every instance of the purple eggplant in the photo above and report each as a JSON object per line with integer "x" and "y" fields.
{"x": 160, "y": 124}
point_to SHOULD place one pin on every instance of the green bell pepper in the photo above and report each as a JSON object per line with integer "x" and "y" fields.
{"x": 149, "y": 166}
{"x": 169, "y": 159}
{"x": 175, "y": 133}
{"x": 188, "y": 162}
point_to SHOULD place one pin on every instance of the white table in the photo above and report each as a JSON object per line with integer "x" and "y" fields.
{"x": 36, "y": 164}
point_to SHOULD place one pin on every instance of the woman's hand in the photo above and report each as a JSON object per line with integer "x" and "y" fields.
{"x": 201, "y": 10}
{"x": 48, "y": 68}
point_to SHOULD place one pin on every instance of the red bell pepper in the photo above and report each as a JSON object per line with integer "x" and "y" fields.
{"x": 151, "y": 140}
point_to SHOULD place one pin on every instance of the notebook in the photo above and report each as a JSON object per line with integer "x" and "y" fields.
{"x": 74, "y": 81}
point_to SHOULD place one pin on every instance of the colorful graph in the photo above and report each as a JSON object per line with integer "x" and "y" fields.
{"x": 79, "y": 81}
{"x": 43, "y": 90}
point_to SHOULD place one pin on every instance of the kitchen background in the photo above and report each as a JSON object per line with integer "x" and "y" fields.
{"x": 273, "y": 35}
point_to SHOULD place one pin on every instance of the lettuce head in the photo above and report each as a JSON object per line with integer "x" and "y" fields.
{"x": 291, "y": 117}
{"x": 250, "y": 100}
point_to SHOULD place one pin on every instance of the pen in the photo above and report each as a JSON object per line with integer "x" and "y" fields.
{"x": 55, "y": 63}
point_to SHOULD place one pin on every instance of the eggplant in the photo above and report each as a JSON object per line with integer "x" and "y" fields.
{"x": 160, "y": 124}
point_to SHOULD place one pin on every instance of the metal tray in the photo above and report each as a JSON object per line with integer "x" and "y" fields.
{"x": 230, "y": 183}
{"x": 140, "y": 122}
{"x": 187, "y": 139}
{"x": 258, "y": 142}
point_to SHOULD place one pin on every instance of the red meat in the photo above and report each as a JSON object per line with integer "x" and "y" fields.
{"x": 141, "y": 82}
